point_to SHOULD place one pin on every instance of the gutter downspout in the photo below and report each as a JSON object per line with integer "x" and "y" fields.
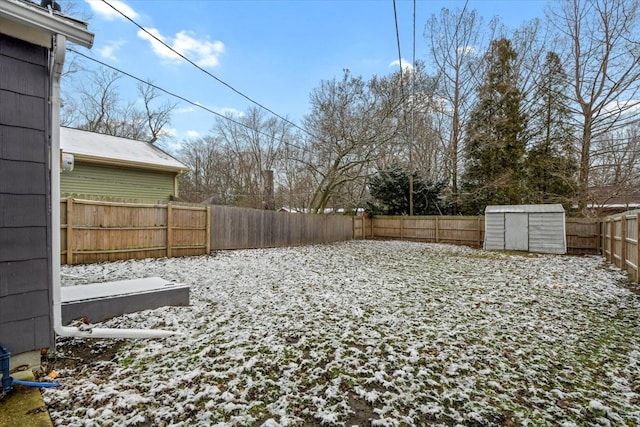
{"x": 61, "y": 330}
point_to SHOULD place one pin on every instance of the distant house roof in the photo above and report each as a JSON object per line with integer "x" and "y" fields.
{"x": 543, "y": 208}
{"x": 112, "y": 150}
{"x": 614, "y": 197}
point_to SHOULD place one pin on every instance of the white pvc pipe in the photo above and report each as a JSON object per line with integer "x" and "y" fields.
{"x": 58, "y": 327}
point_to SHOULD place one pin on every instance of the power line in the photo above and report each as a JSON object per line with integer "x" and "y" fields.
{"x": 180, "y": 97}
{"x": 395, "y": 17}
{"x": 205, "y": 71}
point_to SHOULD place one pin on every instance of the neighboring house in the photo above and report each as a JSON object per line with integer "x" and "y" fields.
{"x": 112, "y": 168}
{"x": 32, "y": 47}
{"x": 612, "y": 199}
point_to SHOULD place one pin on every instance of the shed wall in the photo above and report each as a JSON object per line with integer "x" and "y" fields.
{"x": 105, "y": 182}
{"x": 494, "y": 231}
{"x": 547, "y": 233}
{"x": 25, "y": 233}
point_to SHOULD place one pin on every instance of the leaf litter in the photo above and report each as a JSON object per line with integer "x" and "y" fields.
{"x": 380, "y": 333}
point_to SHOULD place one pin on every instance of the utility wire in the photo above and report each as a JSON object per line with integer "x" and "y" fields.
{"x": 395, "y": 17}
{"x": 180, "y": 97}
{"x": 207, "y": 72}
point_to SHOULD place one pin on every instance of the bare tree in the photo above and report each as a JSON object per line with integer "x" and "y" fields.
{"x": 604, "y": 62}
{"x": 294, "y": 179}
{"x": 254, "y": 143}
{"x": 454, "y": 38}
{"x": 210, "y": 176}
{"x": 96, "y": 105}
{"x": 349, "y": 122}
{"x": 157, "y": 117}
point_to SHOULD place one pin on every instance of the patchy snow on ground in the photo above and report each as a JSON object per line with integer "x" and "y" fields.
{"x": 366, "y": 333}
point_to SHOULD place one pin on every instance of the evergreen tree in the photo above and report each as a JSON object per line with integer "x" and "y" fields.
{"x": 552, "y": 158}
{"x": 390, "y": 189}
{"x": 494, "y": 141}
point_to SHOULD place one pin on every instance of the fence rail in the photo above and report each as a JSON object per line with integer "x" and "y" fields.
{"x": 620, "y": 236}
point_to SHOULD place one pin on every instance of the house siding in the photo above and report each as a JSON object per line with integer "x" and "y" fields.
{"x": 25, "y": 230}
{"x": 105, "y": 182}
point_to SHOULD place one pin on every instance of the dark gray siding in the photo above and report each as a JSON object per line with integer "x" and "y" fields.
{"x": 25, "y": 234}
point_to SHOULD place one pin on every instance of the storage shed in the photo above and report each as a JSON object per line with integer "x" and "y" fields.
{"x": 531, "y": 228}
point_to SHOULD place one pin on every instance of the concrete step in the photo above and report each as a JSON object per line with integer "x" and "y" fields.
{"x": 101, "y": 301}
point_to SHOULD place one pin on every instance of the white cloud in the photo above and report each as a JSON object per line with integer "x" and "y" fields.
{"x": 202, "y": 51}
{"x": 222, "y": 110}
{"x": 627, "y": 106}
{"x": 193, "y": 133}
{"x": 229, "y": 111}
{"x": 184, "y": 110}
{"x": 107, "y": 12}
{"x": 467, "y": 50}
{"x": 108, "y": 51}
{"x": 406, "y": 65}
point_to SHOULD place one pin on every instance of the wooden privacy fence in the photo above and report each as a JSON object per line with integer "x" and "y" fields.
{"x": 97, "y": 231}
{"x": 94, "y": 231}
{"x": 457, "y": 230}
{"x": 583, "y": 235}
{"x": 620, "y": 236}
{"x": 238, "y": 228}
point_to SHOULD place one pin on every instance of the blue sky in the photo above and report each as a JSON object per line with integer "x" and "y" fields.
{"x": 275, "y": 52}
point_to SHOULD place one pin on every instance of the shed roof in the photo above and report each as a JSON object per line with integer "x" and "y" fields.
{"x": 543, "y": 208}
{"x": 112, "y": 150}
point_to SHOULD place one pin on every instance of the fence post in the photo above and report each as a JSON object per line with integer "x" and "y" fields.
{"x": 637, "y": 247}
{"x": 69, "y": 231}
{"x": 401, "y": 228}
{"x": 437, "y": 230}
{"x": 612, "y": 241}
{"x": 207, "y": 231}
{"x": 623, "y": 241}
{"x": 599, "y": 237}
{"x": 479, "y": 234}
{"x": 169, "y": 229}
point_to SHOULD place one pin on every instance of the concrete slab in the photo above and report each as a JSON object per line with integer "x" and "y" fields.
{"x": 30, "y": 359}
{"x": 102, "y": 301}
{"x": 23, "y": 406}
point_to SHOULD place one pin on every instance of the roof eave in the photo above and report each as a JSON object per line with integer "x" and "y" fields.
{"x": 43, "y": 20}
{"x": 128, "y": 163}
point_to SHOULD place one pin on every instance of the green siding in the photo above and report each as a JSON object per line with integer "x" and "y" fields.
{"x": 113, "y": 183}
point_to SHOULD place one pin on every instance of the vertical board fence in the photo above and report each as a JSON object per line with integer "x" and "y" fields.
{"x": 583, "y": 235}
{"x": 95, "y": 231}
{"x": 457, "y": 230}
{"x": 620, "y": 236}
{"x": 239, "y": 228}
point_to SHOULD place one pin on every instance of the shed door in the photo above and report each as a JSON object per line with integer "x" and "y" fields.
{"x": 516, "y": 231}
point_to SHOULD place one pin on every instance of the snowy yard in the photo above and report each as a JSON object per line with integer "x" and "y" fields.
{"x": 364, "y": 333}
